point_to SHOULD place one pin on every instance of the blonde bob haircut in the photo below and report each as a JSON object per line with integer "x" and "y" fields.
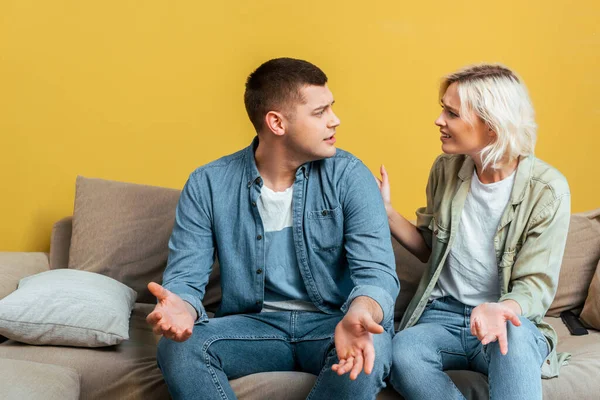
{"x": 495, "y": 94}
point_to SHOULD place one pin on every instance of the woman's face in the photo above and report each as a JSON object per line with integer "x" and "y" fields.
{"x": 457, "y": 135}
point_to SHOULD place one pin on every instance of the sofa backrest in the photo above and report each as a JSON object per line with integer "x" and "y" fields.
{"x": 581, "y": 257}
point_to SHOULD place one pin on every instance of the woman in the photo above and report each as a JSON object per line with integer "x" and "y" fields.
{"x": 493, "y": 231}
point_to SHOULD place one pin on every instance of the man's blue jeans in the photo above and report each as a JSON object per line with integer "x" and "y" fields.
{"x": 238, "y": 345}
{"x": 442, "y": 340}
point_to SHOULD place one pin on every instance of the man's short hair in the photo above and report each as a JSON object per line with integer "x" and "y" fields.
{"x": 275, "y": 86}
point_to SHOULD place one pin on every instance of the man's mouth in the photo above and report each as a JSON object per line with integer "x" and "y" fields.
{"x": 330, "y": 137}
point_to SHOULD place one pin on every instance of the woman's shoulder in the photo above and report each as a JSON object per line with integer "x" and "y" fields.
{"x": 548, "y": 177}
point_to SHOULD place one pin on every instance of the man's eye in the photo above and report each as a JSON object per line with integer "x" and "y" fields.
{"x": 320, "y": 113}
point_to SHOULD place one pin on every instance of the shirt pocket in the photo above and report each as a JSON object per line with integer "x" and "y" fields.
{"x": 326, "y": 229}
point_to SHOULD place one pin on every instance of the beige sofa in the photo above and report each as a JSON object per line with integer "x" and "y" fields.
{"x": 129, "y": 371}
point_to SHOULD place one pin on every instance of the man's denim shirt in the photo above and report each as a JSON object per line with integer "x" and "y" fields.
{"x": 340, "y": 230}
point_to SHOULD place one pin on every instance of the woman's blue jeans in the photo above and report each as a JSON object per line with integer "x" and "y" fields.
{"x": 238, "y": 345}
{"x": 442, "y": 340}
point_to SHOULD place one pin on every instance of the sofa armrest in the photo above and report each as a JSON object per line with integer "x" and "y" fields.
{"x": 14, "y": 266}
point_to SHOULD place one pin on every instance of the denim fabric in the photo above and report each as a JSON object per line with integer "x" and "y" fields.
{"x": 341, "y": 236}
{"x": 234, "y": 346}
{"x": 442, "y": 340}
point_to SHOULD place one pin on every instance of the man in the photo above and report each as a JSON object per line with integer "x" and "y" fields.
{"x": 304, "y": 248}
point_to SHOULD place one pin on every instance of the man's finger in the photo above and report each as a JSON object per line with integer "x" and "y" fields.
{"x": 369, "y": 353}
{"x": 156, "y": 330}
{"x": 347, "y": 366}
{"x": 370, "y": 325}
{"x": 358, "y": 366}
{"x": 339, "y": 365}
{"x": 158, "y": 291}
{"x": 154, "y": 317}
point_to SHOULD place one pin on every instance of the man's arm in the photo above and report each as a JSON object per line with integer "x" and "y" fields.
{"x": 370, "y": 305}
{"x": 368, "y": 243}
{"x": 191, "y": 246}
{"x": 191, "y": 255}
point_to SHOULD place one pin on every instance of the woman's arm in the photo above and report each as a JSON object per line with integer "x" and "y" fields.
{"x": 402, "y": 230}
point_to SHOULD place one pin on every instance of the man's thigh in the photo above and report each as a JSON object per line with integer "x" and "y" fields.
{"x": 239, "y": 345}
{"x": 314, "y": 339}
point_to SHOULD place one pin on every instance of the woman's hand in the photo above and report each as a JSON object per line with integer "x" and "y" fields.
{"x": 488, "y": 323}
{"x": 384, "y": 188}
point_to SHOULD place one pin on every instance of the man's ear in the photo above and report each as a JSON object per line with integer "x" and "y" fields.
{"x": 274, "y": 122}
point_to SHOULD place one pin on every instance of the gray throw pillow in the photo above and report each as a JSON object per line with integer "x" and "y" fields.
{"x": 69, "y": 308}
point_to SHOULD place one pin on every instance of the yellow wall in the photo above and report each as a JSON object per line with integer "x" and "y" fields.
{"x": 145, "y": 91}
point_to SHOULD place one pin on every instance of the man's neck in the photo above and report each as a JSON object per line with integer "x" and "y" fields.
{"x": 277, "y": 170}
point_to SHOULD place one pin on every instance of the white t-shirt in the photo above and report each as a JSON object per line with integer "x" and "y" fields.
{"x": 470, "y": 273}
{"x": 284, "y": 287}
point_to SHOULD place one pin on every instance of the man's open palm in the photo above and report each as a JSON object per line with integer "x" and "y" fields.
{"x": 171, "y": 316}
{"x": 354, "y": 343}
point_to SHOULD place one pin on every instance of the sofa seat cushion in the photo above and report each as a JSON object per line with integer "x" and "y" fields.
{"x": 124, "y": 371}
{"x": 36, "y": 381}
{"x": 579, "y": 378}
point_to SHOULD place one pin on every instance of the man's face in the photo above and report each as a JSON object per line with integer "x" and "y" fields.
{"x": 310, "y": 130}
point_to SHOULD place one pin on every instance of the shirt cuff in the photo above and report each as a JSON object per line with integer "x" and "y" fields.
{"x": 197, "y": 304}
{"x": 379, "y": 295}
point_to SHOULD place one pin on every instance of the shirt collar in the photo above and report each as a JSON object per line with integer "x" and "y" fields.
{"x": 252, "y": 173}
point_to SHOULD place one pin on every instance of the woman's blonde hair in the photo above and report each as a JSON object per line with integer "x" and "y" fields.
{"x": 497, "y": 96}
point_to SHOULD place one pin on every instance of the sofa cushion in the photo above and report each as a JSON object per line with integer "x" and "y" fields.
{"x": 15, "y": 266}
{"x": 579, "y": 378}
{"x": 60, "y": 243}
{"x": 409, "y": 270}
{"x": 591, "y": 309}
{"x": 122, "y": 230}
{"x": 36, "y": 381}
{"x": 582, "y": 252}
{"x": 67, "y": 307}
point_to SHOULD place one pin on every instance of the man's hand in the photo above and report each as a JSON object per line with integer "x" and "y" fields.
{"x": 172, "y": 317}
{"x": 354, "y": 338}
{"x": 488, "y": 323}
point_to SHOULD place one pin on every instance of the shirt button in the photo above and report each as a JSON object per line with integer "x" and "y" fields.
{"x": 258, "y": 237}
{"x": 257, "y": 181}
{"x": 258, "y": 302}
{"x": 259, "y": 271}
{"x": 324, "y": 212}
{"x": 253, "y": 204}
{"x": 435, "y": 232}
